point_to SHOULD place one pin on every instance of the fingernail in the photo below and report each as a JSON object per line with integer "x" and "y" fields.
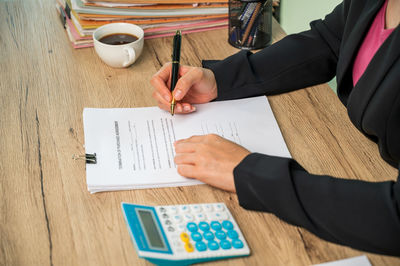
{"x": 193, "y": 109}
{"x": 166, "y": 97}
{"x": 186, "y": 108}
{"x": 177, "y": 93}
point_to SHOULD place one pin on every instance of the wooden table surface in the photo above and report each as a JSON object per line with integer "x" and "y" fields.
{"x": 47, "y": 215}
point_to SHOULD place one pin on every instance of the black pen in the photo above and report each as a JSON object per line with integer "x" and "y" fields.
{"x": 176, "y": 55}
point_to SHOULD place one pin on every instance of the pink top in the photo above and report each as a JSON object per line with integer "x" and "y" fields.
{"x": 377, "y": 34}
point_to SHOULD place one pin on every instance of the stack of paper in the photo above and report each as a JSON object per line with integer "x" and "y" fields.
{"x": 134, "y": 146}
{"x": 158, "y": 18}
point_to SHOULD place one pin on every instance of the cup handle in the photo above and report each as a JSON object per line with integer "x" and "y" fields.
{"x": 130, "y": 52}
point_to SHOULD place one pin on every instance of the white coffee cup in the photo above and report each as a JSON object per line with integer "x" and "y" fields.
{"x": 120, "y": 55}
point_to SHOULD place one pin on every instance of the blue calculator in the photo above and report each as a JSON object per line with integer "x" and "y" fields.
{"x": 184, "y": 234}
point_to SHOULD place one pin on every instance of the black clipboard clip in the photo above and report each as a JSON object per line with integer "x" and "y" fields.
{"x": 89, "y": 158}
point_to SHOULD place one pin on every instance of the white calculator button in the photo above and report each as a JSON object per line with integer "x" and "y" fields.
{"x": 200, "y": 217}
{"x": 162, "y": 209}
{"x": 208, "y": 208}
{"x": 176, "y": 218}
{"x": 181, "y": 227}
{"x": 165, "y": 216}
{"x": 217, "y": 216}
{"x": 168, "y": 222}
{"x": 219, "y": 207}
{"x": 184, "y": 209}
{"x": 195, "y": 208}
{"x": 221, "y": 215}
{"x": 172, "y": 210}
{"x": 175, "y": 237}
{"x": 210, "y": 216}
{"x": 188, "y": 217}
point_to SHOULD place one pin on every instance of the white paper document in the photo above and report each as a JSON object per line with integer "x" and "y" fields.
{"x": 134, "y": 146}
{"x": 355, "y": 261}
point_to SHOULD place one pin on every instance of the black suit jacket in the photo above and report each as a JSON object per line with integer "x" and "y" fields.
{"x": 363, "y": 215}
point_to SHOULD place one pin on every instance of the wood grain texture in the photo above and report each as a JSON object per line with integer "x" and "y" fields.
{"x": 47, "y": 215}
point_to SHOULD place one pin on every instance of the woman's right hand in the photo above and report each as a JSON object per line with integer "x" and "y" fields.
{"x": 195, "y": 85}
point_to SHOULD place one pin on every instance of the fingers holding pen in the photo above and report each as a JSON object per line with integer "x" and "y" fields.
{"x": 165, "y": 72}
{"x": 185, "y": 108}
{"x": 161, "y": 82}
{"x": 162, "y": 102}
{"x": 180, "y": 108}
{"x": 183, "y": 85}
{"x": 191, "y": 75}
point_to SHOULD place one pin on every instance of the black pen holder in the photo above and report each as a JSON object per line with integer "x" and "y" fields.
{"x": 250, "y": 23}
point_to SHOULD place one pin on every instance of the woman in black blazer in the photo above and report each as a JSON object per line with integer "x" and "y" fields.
{"x": 363, "y": 215}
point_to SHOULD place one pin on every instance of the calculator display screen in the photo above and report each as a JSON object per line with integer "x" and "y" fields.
{"x": 151, "y": 229}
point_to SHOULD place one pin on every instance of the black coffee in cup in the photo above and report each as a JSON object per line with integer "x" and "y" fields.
{"x": 118, "y": 38}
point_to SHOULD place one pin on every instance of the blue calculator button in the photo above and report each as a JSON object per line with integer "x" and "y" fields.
{"x": 220, "y": 235}
{"x": 184, "y": 208}
{"x": 227, "y": 225}
{"x": 216, "y": 225}
{"x": 232, "y": 234}
{"x": 208, "y": 235}
{"x": 192, "y": 227}
{"x": 237, "y": 243}
{"x": 213, "y": 245}
{"x": 196, "y": 236}
{"x": 201, "y": 246}
{"x": 225, "y": 244}
{"x": 204, "y": 226}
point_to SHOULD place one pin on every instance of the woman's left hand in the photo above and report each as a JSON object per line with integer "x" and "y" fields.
{"x": 210, "y": 159}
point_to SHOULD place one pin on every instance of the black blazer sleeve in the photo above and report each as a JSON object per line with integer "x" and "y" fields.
{"x": 295, "y": 62}
{"x": 360, "y": 214}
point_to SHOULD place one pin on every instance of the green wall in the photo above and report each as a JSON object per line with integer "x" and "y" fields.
{"x": 297, "y": 14}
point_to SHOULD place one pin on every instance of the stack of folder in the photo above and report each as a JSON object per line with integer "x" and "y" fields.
{"x": 158, "y": 18}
